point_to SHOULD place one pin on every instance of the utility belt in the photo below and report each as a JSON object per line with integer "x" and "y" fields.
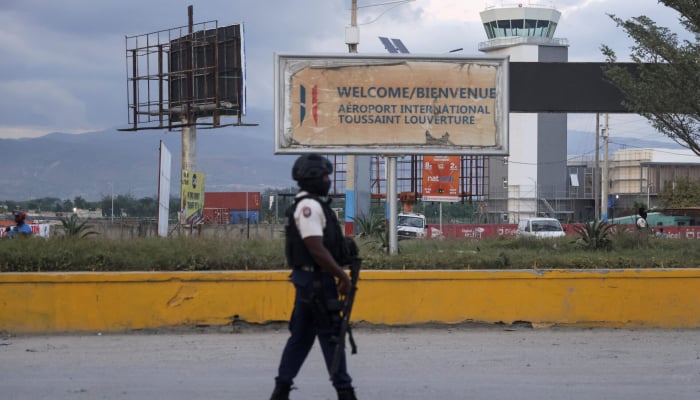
{"x": 307, "y": 268}
{"x": 326, "y": 311}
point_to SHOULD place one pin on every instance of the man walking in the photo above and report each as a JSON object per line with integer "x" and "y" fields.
{"x": 314, "y": 249}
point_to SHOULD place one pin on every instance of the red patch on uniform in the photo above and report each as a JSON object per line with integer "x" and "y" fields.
{"x": 306, "y": 211}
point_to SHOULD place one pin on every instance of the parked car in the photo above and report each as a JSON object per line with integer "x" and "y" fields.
{"x": 540, "y": 228}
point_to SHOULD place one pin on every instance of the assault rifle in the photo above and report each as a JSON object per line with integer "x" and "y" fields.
{"x": 349, "y": 299}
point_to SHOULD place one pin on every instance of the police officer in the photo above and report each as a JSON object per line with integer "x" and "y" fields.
{"x": 314, "y": 243}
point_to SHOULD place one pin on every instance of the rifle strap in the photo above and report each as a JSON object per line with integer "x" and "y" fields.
{"x": 353, "y": 346}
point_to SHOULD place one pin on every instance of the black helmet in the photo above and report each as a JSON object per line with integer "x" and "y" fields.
{"x": 311, "y": 166}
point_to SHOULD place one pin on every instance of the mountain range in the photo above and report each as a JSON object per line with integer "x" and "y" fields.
{"x": 98, "y": 164}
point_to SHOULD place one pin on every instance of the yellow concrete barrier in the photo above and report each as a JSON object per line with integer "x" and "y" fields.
{"x": 75, "y": 302}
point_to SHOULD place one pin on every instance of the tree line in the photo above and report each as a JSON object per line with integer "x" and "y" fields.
{"x": 121, "y": 205}
{"x": 683, "y": 193}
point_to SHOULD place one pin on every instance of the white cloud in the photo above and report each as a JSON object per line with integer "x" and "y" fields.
{"x": 73, "y": 51}
{"x": 453, "y": 10}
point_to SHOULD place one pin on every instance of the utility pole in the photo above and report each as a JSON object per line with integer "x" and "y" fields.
{"x": 596, "y": 169}
{"x": 604, "y": 177}
{"x": 352, "y": 38}
{"x": 352, "y": 34}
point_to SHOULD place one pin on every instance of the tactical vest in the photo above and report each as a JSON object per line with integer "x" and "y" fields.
{"x": 333, "y": 240}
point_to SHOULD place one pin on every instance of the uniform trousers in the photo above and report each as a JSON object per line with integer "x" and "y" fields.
{"x": 304, "y": 327}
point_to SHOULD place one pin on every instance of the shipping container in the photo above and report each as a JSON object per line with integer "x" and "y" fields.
{"x": 233, "y": 200}
{"x": 243, "y": 217}
{"x": 216, "y": 216}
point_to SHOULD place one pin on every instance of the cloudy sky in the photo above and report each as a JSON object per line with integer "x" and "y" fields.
{"x": 63, "y": 65}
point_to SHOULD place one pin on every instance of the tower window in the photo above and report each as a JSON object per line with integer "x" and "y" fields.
{"x": 503, "y": 27}
{"x": 489, "y": 31}
{"x": 530, "y": 27}
{"x": 542, "y": 28}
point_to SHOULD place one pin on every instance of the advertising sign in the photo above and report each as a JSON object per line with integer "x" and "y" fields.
{"x": 192, "y": 198}
{"x": 344, "y": 104}
{"x": 164, "y": 189}
{"x": 441, "y": 178}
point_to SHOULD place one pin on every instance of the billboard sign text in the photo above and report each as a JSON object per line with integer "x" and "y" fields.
{"x": 391, "y": 105}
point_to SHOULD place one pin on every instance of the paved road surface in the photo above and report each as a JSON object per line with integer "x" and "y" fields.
{"x": 463, "y": 362}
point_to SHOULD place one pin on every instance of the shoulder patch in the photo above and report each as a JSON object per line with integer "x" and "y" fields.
{"x": 306, "y": 212}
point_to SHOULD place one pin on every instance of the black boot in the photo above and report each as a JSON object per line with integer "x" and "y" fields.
{"x": 346, "y": 394}
{"x": 281, "y": 392}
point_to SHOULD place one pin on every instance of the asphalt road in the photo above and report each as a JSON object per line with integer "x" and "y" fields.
{"x": 464, "y": 362}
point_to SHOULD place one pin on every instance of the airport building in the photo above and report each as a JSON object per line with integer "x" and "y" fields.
{"x": 538, "y": 178}
{"x": 532, "y": 180}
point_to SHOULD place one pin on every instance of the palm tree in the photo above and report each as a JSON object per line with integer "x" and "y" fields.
{"x": 73, "y": 228}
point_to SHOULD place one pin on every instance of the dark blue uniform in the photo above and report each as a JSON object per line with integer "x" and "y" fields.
{"x": 313, "y": 287}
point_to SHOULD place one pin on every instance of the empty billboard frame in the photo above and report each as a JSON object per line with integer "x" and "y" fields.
{"x": 391, "y": 104}
{"x": 207, "y": 67}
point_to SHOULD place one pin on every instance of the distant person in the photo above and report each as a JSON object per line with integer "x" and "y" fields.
{"x": 660, "y": 233}
{"x": 314, "y": 251}
{"x": 21, "y": 228}
{"x": 642, "y": 219}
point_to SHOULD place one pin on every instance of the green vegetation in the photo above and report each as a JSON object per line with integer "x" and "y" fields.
{"x": 595, "y": 235}
{"x": 146, "y": 207}
{"x": 373, "y": 231}
{"x": 684, "y": 192}
{"x": 626, "y": 250}
{"x": 73, "y": 228}
{"x": 666, "y": 89}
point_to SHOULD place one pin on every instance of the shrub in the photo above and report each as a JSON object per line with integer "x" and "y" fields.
{"x": 595, "y": 235}
{"x": 56, "y": 254}
{"x": 373, "y": 230}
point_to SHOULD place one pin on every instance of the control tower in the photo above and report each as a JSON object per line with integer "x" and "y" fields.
{"x": 531, "y": 181}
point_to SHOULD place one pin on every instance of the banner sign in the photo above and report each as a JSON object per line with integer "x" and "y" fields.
{"x": 40, "y": 230}
{"x": 441, "y": 178}
{"x": 391, "y": 105}
{"x": 164, "y": 168}
{"x": 192, "y": 198}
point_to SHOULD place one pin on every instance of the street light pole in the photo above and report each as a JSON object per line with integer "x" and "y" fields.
{"x": 111, "y": 185}
{"x": 537, "y": 197}
{"x": 604, "y": 183}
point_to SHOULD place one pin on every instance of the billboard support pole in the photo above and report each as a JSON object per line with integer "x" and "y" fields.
{"x": 391, "y": 196}
{"x": 187, "y": 117}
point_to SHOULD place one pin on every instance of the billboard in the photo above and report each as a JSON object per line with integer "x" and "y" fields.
{"x": 441, "y": 178}
{"x": 391, "y": 104}
{"x": 174, "y": 73}
{"x": 207, "y": 67}
{"x": 192, "y": 198}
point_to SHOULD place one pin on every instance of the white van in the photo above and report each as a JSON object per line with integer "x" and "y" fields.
{"x": 411, "y": 226}
{"x": 540, "y": 228}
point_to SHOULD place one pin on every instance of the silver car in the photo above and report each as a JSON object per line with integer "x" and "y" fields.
{"x": 540, "y": 228}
